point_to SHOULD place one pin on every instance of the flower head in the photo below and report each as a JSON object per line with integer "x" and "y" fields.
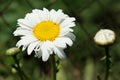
{"x": 45, "y": 32}
{"x": 104, "y": 37}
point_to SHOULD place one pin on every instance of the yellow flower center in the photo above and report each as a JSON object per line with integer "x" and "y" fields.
{"x": 46, "y": 30}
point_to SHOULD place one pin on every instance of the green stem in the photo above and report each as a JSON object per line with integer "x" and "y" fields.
{"x": 54, "y": 67}
{"x": 20, "y": 72}
{"x": 98, "y": 77}
{"x": 107, "y": 62}
{"x": 18, "y": 67}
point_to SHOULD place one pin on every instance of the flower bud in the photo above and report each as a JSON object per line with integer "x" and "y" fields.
{"x": 13, "y": 70}
{"x": 12, "y": 51}
{"x": 104, "y": 37}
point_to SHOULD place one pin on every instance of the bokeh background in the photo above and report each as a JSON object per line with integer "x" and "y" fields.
{"x": 85, "y": 60}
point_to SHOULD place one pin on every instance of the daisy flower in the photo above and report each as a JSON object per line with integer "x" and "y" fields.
{"x": 45, "y": 32}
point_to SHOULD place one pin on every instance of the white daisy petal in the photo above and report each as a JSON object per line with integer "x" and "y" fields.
{"x": 36, "y": 11}
{"x": 46, "y": 14}
{"x": 53, "y": 15}
{"x": 59, "y": 52}
{"x": 39, "y": 14}
{"x": 32, "y": 19}
{"x": 71, "y": 36}
{"x": 65, "y": 31}
{"x": 45, "y": 54}
{"x": 24, "y": 24}
{"x": 60, "y": 43}
{"x": 22, "y": 32}
{"x": 60, "y": 16}
{"x": 49, "y": 46}
{"x": 25, "y": 41}
{"x": 24, "y": 47}
{"x": 69, "y": 25}
{"x": 31, "y": 47}
{"x": 66, "y": 22}
{"x": 68, "y": 41}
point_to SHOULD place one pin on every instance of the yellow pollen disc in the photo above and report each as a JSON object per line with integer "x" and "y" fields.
{"x": 46, "y": 30}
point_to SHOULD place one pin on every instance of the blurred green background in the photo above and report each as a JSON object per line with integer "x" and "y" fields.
{"x": 85, "y": 60}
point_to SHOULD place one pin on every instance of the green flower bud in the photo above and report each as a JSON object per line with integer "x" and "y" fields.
{"x": 12, "y": 51}
{"x": 13, "y": 70}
